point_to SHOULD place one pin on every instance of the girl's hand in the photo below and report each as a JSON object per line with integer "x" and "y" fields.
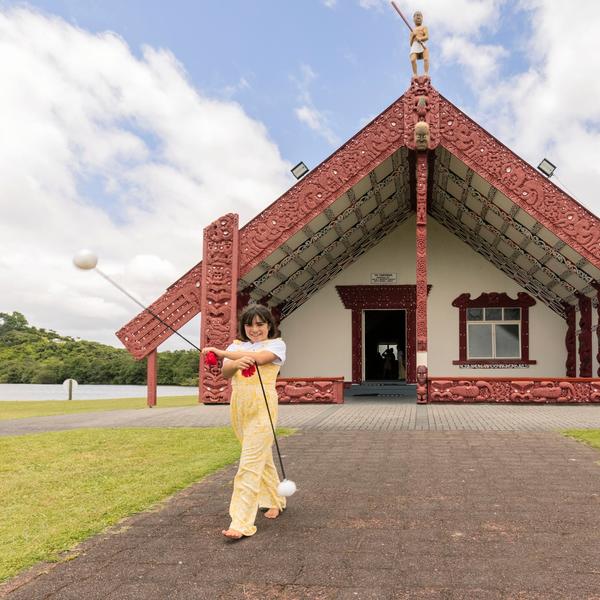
{"x": 216, "y": 351}
{"x": 244, "y": 362}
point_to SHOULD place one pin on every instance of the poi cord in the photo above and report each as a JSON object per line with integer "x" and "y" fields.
{"x": 144, "y": 307}
{"x": 270, "y": 420}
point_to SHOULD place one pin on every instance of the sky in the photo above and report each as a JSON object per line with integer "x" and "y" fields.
{"x": 127, "y": 126}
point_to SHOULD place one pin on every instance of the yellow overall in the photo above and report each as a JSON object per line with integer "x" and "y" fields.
{"x": 256, "y": 482}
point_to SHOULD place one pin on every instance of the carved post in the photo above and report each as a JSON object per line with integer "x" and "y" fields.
{"x": 571, "y": 341}
{"x": 151, "y": 377}
{"x": 585, "y": 336}
{"x": 421, "y": 276}
{"x": 218, "y": 301}
{"x": 597, "y": 287}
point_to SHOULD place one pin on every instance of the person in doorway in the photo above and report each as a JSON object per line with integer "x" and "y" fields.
{"x": 255, "y": 485}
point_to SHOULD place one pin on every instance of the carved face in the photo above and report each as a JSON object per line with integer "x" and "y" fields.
{"x": 421, "y": 135}
{"x": 418, "y": 18}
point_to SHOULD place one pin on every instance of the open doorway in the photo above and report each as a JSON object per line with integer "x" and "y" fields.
{"x": 385, "y": 345}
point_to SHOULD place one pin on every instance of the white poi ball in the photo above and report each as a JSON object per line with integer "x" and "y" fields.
{"x": 286, "y": 488}
{"x": 85, "y": 259}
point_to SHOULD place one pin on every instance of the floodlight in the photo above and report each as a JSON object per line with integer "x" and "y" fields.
{"x": 300, "y": 170}
{"x": 546, "y": 167}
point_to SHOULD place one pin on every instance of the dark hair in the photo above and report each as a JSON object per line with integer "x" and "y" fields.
{"x": 264, "y": 314}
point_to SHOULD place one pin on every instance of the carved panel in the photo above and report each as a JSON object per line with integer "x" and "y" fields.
{"x": 522, "y": 184}
{"x": 316, "y": 390}
{"x": 421, "y": 103}
{"x": 218, "y": 301}
{"x": 512, "y": 390}
{"x": 421, "y": 251}
{"x": 571, "y": 341}
{"x": 585, "y": 336}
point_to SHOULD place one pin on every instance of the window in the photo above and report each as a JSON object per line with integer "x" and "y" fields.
{"x": 493, "y": 333}
{"x": 494, "y": 330}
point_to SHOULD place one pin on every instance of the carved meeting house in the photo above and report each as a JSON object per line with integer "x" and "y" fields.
{"x": 423, "y": 253}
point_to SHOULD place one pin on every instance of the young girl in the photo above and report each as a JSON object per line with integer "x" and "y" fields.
{"x": 256, "y": 482}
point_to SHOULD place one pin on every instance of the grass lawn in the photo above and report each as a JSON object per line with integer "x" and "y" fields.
{"x": 21, "y": 409}
{"x": 591, "y": 437}
{"x": 59, "y": 488}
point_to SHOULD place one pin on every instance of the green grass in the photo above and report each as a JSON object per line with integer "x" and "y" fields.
{"x": 591, "y": 437}
{"x": 21, "y": 409}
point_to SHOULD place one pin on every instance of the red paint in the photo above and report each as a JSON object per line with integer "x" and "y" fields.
{"x": 548, "y": 390}
{"x": 313, "y": 390}
{"x": 152, "y": 377}
{"x": 571, "y": 341}
{"x": 218, "y": 301}
{"x": 585, "y": 336}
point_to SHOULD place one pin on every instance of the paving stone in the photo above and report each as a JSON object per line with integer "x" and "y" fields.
{"x": 379, "y": 514}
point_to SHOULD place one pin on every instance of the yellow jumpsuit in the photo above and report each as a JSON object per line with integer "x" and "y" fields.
{"x": 256, "y": 482}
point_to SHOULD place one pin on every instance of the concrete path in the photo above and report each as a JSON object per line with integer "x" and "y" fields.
{"x": 463, "y": 512}
{"x": 371, "y": 413}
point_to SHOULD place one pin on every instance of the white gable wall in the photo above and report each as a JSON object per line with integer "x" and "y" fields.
{"x": 318, "y": 334}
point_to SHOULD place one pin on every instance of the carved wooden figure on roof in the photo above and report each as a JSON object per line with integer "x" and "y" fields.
{"x": 418, "y": 51}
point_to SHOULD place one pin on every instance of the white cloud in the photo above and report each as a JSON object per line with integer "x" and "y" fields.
{"x": 552, "y": 108}
{"x": 307, "y": 113}
{"x": 481, "y": 62}
{"x": 317, "y": 122}
{"x": 121, "y": 154}
{"x": 329, "y": 3}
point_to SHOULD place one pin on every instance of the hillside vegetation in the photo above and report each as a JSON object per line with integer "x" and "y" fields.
{"x": 32, "y": 355}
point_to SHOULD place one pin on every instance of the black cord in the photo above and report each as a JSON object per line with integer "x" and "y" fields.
{"x": 145, "y": 308}
{"x": 270, "y": 419}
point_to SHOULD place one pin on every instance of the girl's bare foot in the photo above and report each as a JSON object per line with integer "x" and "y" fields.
{"x": 272, "y": 513}
{"x": 232, "y": 534}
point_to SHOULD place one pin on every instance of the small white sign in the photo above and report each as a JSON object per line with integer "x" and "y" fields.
{"x": 384, "y": 277}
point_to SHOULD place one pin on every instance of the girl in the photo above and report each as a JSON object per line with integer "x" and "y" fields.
{"x": 256, "y": 482}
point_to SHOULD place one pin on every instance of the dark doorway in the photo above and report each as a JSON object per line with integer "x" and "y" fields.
{"x": 385, "y": 345}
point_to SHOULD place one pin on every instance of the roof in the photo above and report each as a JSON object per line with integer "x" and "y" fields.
{"x": 478, "y": 188}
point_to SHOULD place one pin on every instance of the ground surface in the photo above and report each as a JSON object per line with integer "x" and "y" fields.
{"x": 473, "y": 502}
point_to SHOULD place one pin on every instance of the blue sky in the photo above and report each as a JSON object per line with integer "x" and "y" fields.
{"x": 128, "y": 126}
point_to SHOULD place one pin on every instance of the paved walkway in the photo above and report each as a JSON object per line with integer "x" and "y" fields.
{"x": 371, "y": 413}
{"x": 456, "y": 514}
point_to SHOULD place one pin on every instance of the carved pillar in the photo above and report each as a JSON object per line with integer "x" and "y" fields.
{"x": 421, "y": 205}
{"x": 218, "y": 301}
{"x": 585, "y": 336}
{"x": 356, "y": 345}
{"x": 571, "y": 341}
{"x": 597, "y": 288}
{"x": 152, "y": 377}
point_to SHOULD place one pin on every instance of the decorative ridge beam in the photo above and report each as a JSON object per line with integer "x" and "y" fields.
{"x": 553, "y": 301}
{"x": 501, "y": 237}
{"x": 313, "y": 240}
{"x": 532, "y": 236}
{"x": 296, "y": 299}
{"x": 378, "y": 211}
{"x": 521, "y": 183}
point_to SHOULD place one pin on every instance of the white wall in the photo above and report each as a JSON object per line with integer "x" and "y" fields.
{"x": 318, "y": 334}
{"x": 455, "y": 269}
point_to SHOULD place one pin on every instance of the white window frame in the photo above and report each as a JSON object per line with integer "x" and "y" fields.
{"x": 493, "y": 324}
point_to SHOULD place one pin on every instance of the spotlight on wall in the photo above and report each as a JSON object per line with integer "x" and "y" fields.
{"x": 546, "y": 167}
{"x": 300, "y": 170}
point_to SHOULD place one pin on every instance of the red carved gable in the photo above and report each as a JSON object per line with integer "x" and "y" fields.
{"x": 357, "y": 158}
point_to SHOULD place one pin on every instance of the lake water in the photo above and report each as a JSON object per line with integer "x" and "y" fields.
{"x": 23, "y": 391}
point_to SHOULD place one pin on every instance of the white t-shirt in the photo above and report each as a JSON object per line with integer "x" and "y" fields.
{"x": 275, "y": 345}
